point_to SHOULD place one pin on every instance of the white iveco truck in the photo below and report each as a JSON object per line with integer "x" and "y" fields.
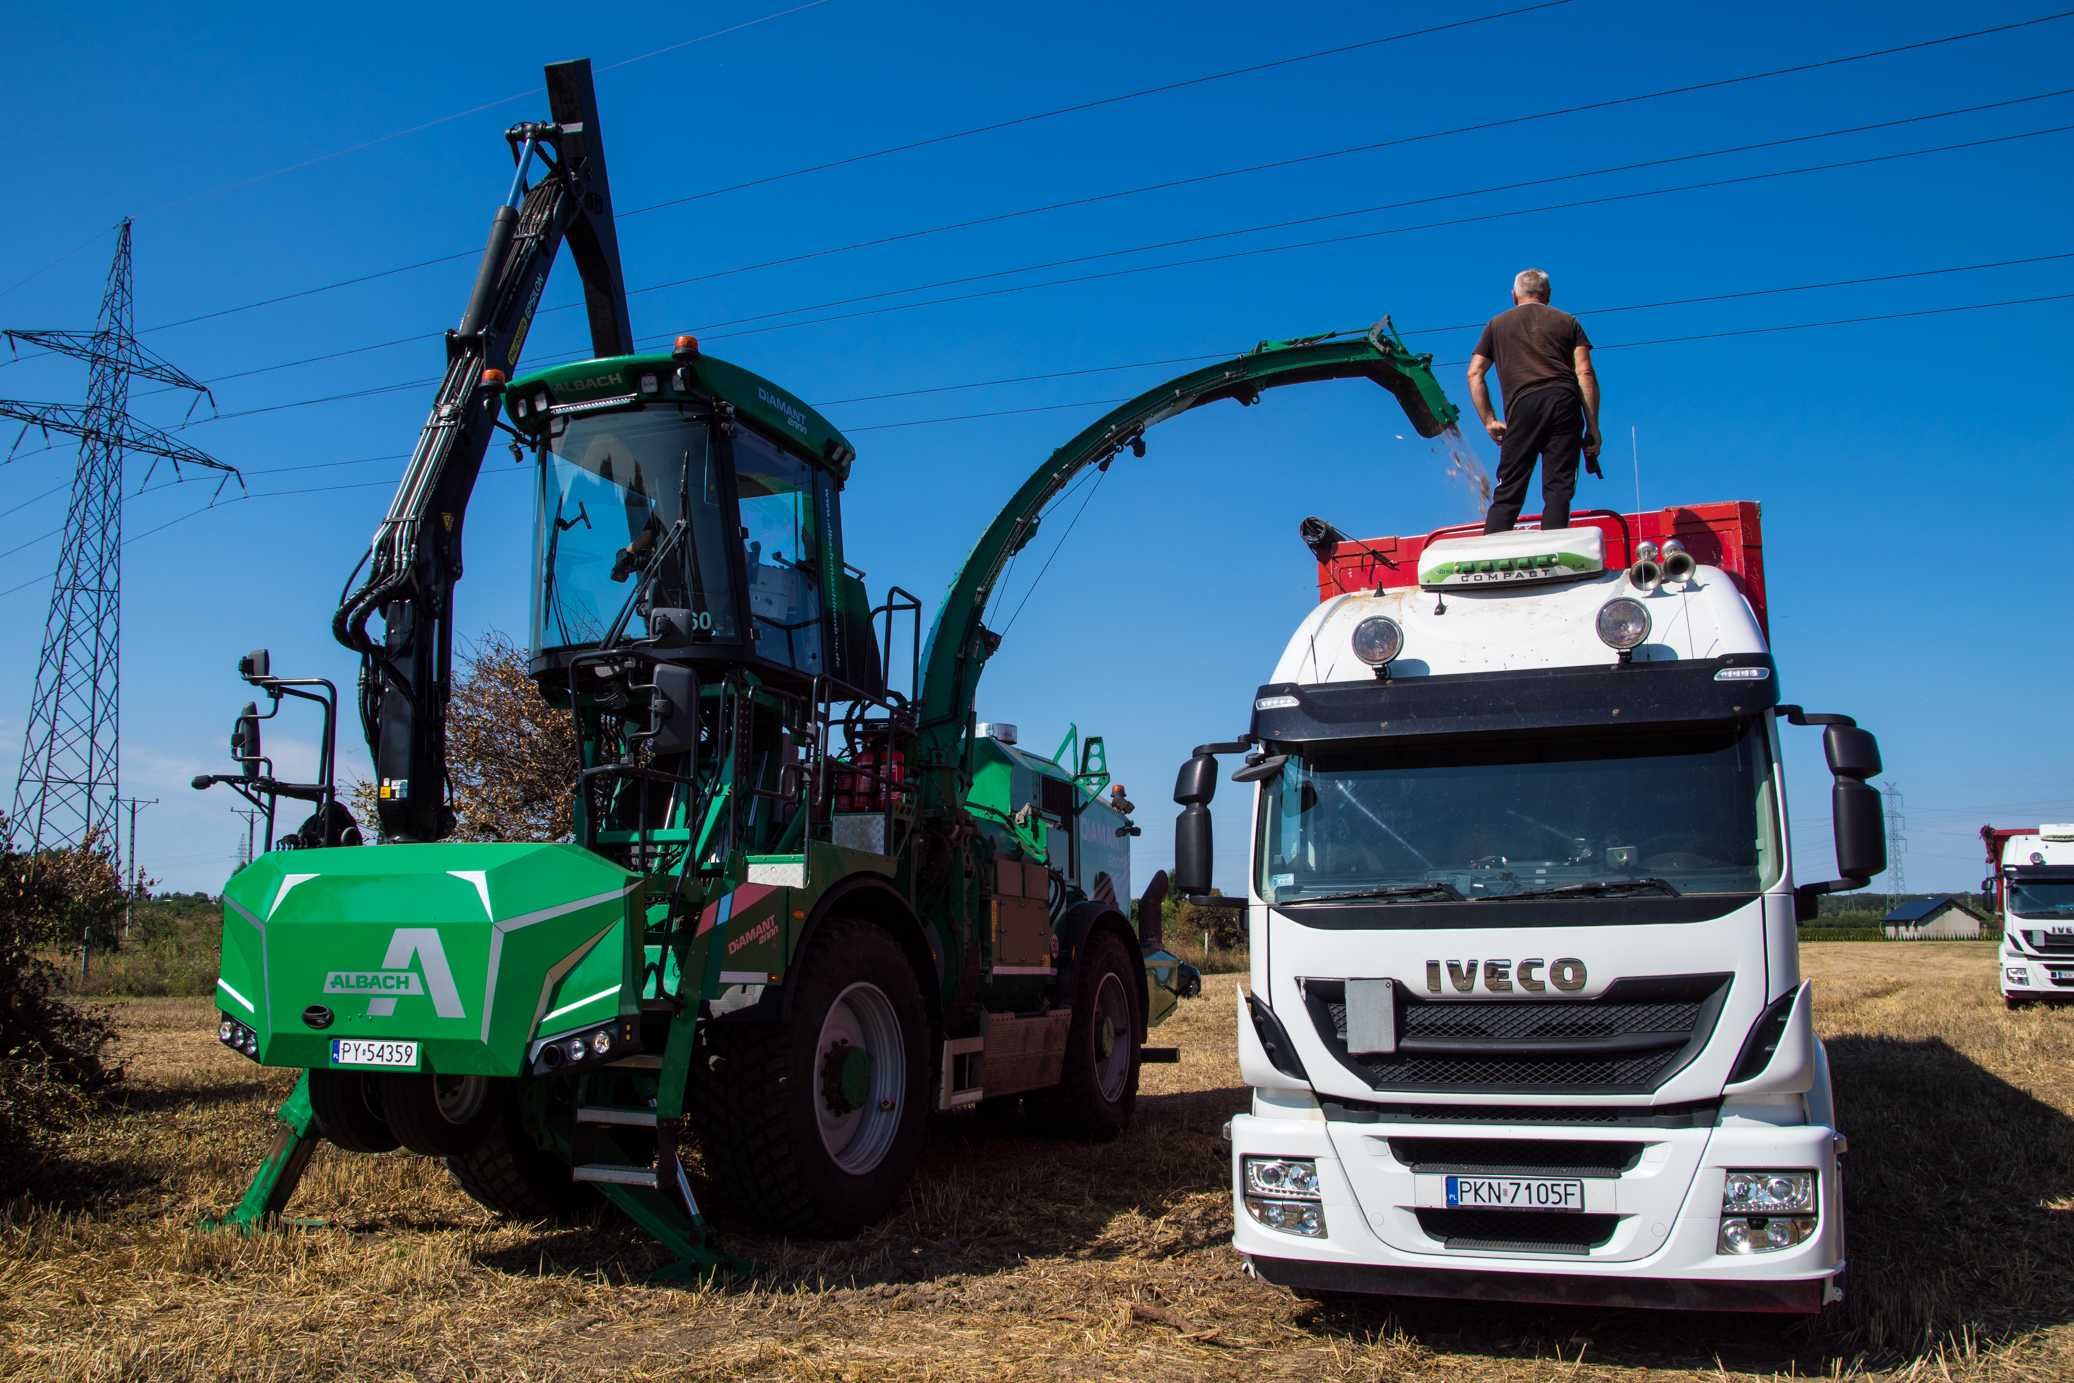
{"x": 1525, "y": 1017}
{"x": 2031, "y": 886}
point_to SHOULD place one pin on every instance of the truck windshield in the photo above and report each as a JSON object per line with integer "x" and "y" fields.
{"x": 1681, "y": 809}
{"x": 2041, "y": 898}
{"x": 612, "y": 485}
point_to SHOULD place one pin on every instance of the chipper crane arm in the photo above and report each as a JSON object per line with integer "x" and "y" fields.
{"x": 414, "y": 562}
{"x": 960, "y": 644}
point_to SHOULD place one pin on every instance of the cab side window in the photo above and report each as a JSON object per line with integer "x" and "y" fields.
{"x": 781, "y": 553}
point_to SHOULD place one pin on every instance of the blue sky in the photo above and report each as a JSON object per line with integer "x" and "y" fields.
{"x": 1911, "y": 471}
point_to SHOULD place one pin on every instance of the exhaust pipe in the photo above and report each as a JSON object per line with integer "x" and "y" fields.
{"x": 1648, "y": 572}
{"x": 1677, "y": 562}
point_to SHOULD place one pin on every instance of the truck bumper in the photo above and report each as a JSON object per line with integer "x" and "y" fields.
{"x": 1657, "y": 1223}
{"x": 2025, "y": 976}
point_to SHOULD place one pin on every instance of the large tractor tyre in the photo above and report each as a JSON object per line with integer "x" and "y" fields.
{"x": 513, "y": 1176}
{"x": 440, "y": 1116}
{"x": 813, "y": 1127}
{"x": 349, "y": 1111}
{"x": 1098, "y": 1087}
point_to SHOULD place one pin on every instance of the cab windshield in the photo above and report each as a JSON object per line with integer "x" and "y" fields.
{"x": 1666, "y": 811}
{"x": 612, "y": 488}
{"x": 2042, "y": 899}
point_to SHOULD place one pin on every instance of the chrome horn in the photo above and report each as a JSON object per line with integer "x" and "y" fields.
{"x": 1647, "y": 573}
{"x": 1677, "y": 562}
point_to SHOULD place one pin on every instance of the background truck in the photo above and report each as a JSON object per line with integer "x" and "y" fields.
{"x": 808, "y": 898}
{"x": 1525, "y": 1016}
{"x": 2030, "y": 890}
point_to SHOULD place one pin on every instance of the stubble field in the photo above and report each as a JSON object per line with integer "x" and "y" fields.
{"x": 1019, "y": 1256}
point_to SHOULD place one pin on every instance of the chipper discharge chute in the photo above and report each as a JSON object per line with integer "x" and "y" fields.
{"x": 808, "y": 897}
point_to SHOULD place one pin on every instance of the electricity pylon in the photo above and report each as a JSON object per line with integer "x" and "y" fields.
{"x": 69, "y": 773}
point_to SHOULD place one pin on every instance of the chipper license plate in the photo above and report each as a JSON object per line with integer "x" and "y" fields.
{"x": 355, "y": 1051}
{"x": 1515, "y": 1193}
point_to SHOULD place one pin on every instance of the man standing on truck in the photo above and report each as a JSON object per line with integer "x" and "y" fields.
{"x": 1544, "y": 364}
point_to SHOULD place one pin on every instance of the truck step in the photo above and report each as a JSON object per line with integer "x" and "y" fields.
{"x": 1162, "y": 1056}
{"x": 642, "y": 1061}
{"x": 628, "y": 1116}
{"x": 611, "y": 1175}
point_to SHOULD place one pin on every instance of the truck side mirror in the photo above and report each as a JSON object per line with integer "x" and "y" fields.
{"x": 244, "y": 738}
{"x": 1861, "y": 830}
{"x": 1853, "y": 753}
{"x": 255, "y": 666}
{"x": 673, "y": 710}
{"x": 1193, "y": 788}
{"x": 1988, "y": 903}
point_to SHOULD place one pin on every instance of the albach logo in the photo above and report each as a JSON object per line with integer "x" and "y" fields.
{"x": 408, "y": 947}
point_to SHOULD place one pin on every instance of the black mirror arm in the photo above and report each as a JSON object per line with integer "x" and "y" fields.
{"x": 1795, "y": 715}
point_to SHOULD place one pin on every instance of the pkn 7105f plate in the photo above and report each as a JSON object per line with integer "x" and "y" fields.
{"x": 357, "y": 1051}
{"x": 1515, "y": 1193}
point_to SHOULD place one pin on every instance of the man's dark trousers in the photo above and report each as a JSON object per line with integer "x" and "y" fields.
{"x": 1548, "y": 423}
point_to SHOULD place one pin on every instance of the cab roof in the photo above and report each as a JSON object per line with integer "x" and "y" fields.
{"x": 657, "y": 377}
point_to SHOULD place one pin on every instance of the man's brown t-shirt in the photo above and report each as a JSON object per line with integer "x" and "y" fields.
{"x": 1534, "y": 346}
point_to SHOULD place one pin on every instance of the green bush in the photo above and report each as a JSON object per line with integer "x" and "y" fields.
{"x": 52, "y": 1062}
{"x": 1829, "y": 933}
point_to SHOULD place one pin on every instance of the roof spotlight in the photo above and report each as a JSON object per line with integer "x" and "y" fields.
{"x": 1677, "y": 562}
{"x": 1377, "y": 640}
{"x": 1622, "y": 623}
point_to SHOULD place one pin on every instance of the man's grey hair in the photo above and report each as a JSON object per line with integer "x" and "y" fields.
{"x": 1531, "y": 283}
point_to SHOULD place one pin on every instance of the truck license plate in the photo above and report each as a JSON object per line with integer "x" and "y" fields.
{"x": 1515, "y": 1193}
{"x": 355, "y": 1051}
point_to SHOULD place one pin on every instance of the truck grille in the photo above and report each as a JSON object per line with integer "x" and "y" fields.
{"x": 1516, "y": 1156}
{"x": 1628, "y": 1041}
{"x": 1517, "y": 1231}
{"x": 2051, "y": 943}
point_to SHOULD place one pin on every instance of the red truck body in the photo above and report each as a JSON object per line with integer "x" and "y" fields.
{"x": 1724, "y": 534}
{"x": 1995, "y": 837}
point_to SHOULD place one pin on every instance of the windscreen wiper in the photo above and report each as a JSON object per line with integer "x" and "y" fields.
{"x": 1392, "y": 893}
{"x": 1597, "y": 888}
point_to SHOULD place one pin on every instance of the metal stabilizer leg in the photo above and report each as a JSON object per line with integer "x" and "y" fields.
{"x": 276, "y": 1179}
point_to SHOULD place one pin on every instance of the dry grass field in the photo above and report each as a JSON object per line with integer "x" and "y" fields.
{"x": 1016, "y": 1256}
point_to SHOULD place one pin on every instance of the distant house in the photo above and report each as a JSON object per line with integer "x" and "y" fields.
{"x": 1937, "y": 917}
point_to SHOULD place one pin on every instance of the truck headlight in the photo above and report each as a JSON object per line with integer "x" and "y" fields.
{"x": 1295, "y": 1177}
{"x": 1377, "y": 640}
{"x": 1622, "y": 623}
{"x": 1768, "y": 1193}
{"x": 1282, "y": 1193}
{"x": 2016, "y": 974}
{"x": 1291, "y": 1217}
{"x": 1760, "y": 1234}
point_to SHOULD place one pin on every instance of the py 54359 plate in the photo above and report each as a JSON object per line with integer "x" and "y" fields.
{"x": 358, "y": 1051}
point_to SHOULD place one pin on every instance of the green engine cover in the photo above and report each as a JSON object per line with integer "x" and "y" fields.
{"x": 470, "y": 950}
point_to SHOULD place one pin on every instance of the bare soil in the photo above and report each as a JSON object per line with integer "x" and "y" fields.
{"x": 1020, "y": 1256}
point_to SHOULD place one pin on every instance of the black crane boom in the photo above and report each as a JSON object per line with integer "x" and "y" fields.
{"x": 414, "y": 562}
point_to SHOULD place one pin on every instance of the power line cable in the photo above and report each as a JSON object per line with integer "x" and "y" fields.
{"x": 1603, "y": 200}
{"x": 1097, "y": 198}
{"x": 1288, "y": 223}
{"x": 1773, "y": 291}
{"x": 1090, "y": 403}
{"x": 906, "y": 147}
{"x": 476, "y": 109}
{"x": 1611, "y": 346}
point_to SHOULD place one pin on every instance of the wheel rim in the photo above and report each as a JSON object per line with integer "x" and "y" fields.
{"x": 459, "y": 1098}
{"x": 1112, "y": 1034}
{"x": 860, "y": 1086}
